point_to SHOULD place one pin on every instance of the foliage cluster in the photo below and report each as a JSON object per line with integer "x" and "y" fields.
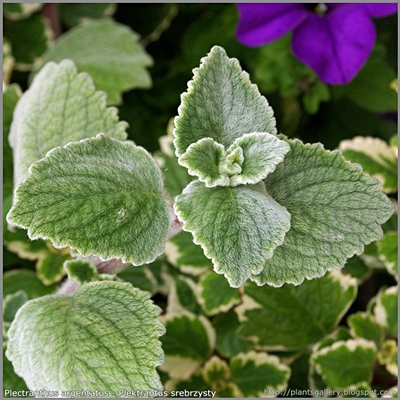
{"x": 103, "y": 289}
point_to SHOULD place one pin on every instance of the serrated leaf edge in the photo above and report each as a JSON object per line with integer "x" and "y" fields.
{"x": 145, "y": 296}
{"x": 261, "y": 358}
{"x": 222, "y": 307}
{"x": 350, "y": 344}
{"x": 60, "y": 245}
{"x": 216, "y": 266}
{"x": 354, "y": 167}
{"x": 203, "y": 62}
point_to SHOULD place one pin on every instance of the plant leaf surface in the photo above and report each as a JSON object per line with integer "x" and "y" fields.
{"x": 61, "y": 106}
{"x": 247, "y": 161}
{"x": 237, "y": 227}
{"x": 109, "y": 52}
{"x": 105, "y": 337}
{"x": 335, "y": 210}
{"x": 345, "y": 363}
{"x": 221, "y": 103}
{"x": 292, "y": 317}
{"x": 99, "y": 196}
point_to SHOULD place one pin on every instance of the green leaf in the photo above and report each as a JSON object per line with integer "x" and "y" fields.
{"x": 49, "y": 260}
{"x": 176, "y": 177}
{"x": 26, "y": 280}
{"x": 50, "y": 266}
{"x": 18, "y": 242}
{"x": 61, "y": 106}
{"x": 195, "y": 383}
{"x": 12, "y": 303}
{"x": 276, "y": 69}
{"x": 371, "y": 90}
{"x": 370, "y": 256}
{"x": 340, "y": 333}
{"x": 237, "y": 227}
{"x": 247, "y": 161}
{"x": 364, "y": 325}
{"x": 29, "y": 38}
{"x": 156, "y": 277}
{"x": 11, "y": 379}
{"x": 216, "y": 295}
{"x": 8, "y": 63}
{"x": 262, "y": 152}
{"x": 182, "y": 252}
{"x": 335, "y": 209}
{"x": 255, "y": 373}
{"x": 388, "y": 356}
{"x": 385, "y": 310}
{"x": 204, "y": 158}
{"x": 164, "y": 275}
{"x": 17, "y": 11}
{"x": 99, "y": 196}
{"x": 141, "y": 277}
{"x": 216, "y": 369}
{"x": 314, "y": 95}
{"x": 221, "y": 103}
{"x": 11, "y": 95}
{"x": 109, "y": 52}
{"x": 73, "y": 14}
{"x": 345, "y": 363}
{"x": 217, "y": 374}
{"x": 228, "y": 342}
{"x": 388, "y": 252}
{"x": 205, "y": 31}
{"x": 356, "y": 267}
{"x": 182, "y": 297}
{"x": 292, "y": 317}
{"x": 188, "y": 341}
{"x": 104, "y": 338}
{"x": 376, "y": 157}
{"x": 394, "y": 143}
{"x": 80, "y": 270}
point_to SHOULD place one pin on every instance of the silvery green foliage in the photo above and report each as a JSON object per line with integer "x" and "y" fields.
{"x": 262, "y": 207}
{"x": 316, "y": 209}
{"x": 110, "y": 52}
{"x": 247, "y": 161}
{"x": 61, "y": 106}
{"x": 221, "y": 103}
{"x": 104, "y": 337}
{"x": 335, "y": 210}
{"x": 238, "y": 227}
{"x": 99, "y": 196}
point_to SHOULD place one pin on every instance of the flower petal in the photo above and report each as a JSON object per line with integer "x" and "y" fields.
{"x": 337, "y": 45}
{"x": 263, "y": 23}
{"x": 378, "y": 10}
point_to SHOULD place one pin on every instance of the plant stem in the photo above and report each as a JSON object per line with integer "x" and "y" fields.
{"x": 50, "y": 11}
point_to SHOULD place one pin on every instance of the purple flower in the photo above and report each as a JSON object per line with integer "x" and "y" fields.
{"x": 335, "y": 40}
